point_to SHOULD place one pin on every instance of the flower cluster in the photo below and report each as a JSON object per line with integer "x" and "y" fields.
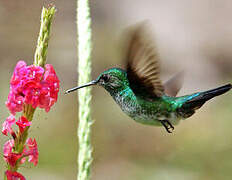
{"x": 30, "y": 86}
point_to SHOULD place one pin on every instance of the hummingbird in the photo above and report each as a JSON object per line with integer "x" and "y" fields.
{"x": 139, "y": 91}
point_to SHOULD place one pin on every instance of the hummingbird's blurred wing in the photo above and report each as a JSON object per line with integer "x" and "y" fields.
{"x": 173, "y": 85}
{"x": 143, "y": 69}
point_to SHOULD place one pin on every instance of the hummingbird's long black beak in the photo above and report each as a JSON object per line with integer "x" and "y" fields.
{"x": 94, "y": 82}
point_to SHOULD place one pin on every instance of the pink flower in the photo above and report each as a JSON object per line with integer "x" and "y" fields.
{"x": 32, "y": 85}
{"x": 51, "y": 85}
{"x": 10, "y": 157}
{"x": 23, "y": 123}
{"x": 32, "y": 152}
{"x": 19, "y": 71}
{"x": 15, "y": 102}
{"x": 24, "y": 73}
{"x": 6, "y": 126}
{"x": 14, "y": 176}
{"x": 7, "y": 148}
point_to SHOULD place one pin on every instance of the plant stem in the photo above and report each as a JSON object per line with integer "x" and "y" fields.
{"x": 44, "y": 35}
{"x": 84, "y": 69}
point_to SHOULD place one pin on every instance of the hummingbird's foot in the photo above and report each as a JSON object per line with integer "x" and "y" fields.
{"x": 168, "y": 126}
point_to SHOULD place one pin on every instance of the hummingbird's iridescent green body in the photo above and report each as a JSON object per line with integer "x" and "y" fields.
{"x": 149, "y": 112}
{"x": 140, "y": 93}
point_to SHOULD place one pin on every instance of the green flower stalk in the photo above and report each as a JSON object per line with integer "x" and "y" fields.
{"x": 44, "y": 35}
{"x": 84, "y": 69}
{"x": 30, "y": 87}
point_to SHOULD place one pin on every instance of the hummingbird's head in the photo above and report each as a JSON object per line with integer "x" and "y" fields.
{"x": 113, "y": 80}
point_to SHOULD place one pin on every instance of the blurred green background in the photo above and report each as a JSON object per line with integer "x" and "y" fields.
{"x": 195, "y": 35}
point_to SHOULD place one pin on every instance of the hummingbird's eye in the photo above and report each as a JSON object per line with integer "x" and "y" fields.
{"x": 105, "y": 78}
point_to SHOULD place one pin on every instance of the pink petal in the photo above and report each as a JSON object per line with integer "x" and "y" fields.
{"x": 7, "y": 148}
{"x": 14, "y": 102}
{"x": 22, "y": 123}
{"x": 7, "y": 124}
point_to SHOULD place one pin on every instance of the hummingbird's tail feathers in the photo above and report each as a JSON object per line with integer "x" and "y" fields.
{"x": 198, "y": 101}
